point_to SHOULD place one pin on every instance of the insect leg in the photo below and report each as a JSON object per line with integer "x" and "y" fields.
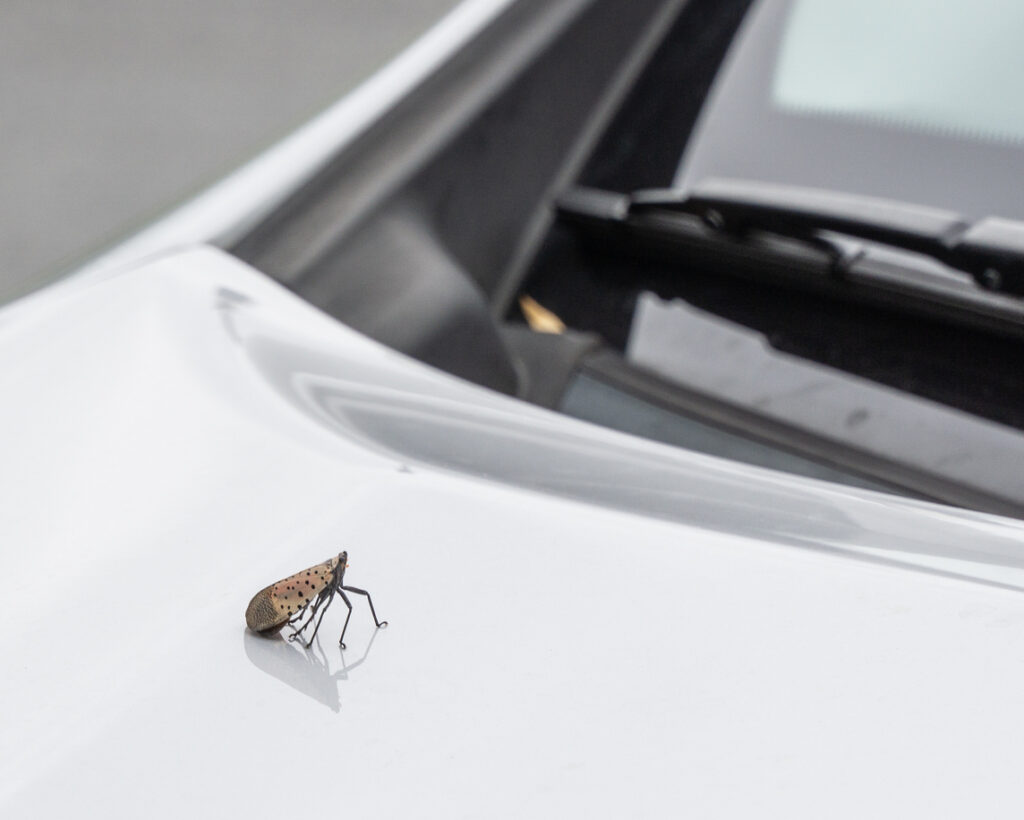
{"x": 298, "y": 616}
{"x": 309, "y": 607}
{"x": 369, "y": 600}
{"x": 348, "y": 603}
{"x": 330, "y": 597}
{"x": 316, "y": 602}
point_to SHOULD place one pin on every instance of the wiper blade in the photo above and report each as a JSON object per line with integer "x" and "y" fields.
{"x": 854, "y": 248}
{"x": 990, "y": 249}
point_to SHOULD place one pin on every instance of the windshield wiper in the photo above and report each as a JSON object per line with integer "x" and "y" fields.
{"x": 990, "y": 249}
{"x": 863, "y": 247}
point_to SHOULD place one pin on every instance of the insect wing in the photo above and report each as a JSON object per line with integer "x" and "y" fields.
{"x": 272, "y": 606}
{"x": 261, "y": 615}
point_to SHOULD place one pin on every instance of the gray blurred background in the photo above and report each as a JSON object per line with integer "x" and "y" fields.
{"x": 112, "y": 111}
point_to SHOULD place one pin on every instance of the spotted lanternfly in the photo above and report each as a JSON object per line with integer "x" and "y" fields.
{"x": 304, "y": 593}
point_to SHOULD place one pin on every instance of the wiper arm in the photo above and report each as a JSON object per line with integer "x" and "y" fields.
{"x": 990, "y": 249}
{"x": 824, "y": 241}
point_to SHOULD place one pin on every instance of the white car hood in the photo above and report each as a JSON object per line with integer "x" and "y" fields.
{"x": 582, "y": 623}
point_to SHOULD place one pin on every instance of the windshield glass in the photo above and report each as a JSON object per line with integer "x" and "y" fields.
{"x": 906, "y": 99}
{"x": 954, "y": 67}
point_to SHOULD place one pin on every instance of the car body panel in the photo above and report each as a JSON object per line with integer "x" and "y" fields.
{"x": 582, "y": 623}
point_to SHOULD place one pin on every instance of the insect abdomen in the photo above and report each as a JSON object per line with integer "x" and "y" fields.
{"x": 261, "y": 615}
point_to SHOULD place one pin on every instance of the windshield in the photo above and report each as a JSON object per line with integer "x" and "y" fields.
{"x": 829, "y": 281}
{"x": 955, "y": 67}
{"x": 906, "y": 99}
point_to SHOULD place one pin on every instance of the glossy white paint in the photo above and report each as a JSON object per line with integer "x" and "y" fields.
{"x": 582, "y": 623}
